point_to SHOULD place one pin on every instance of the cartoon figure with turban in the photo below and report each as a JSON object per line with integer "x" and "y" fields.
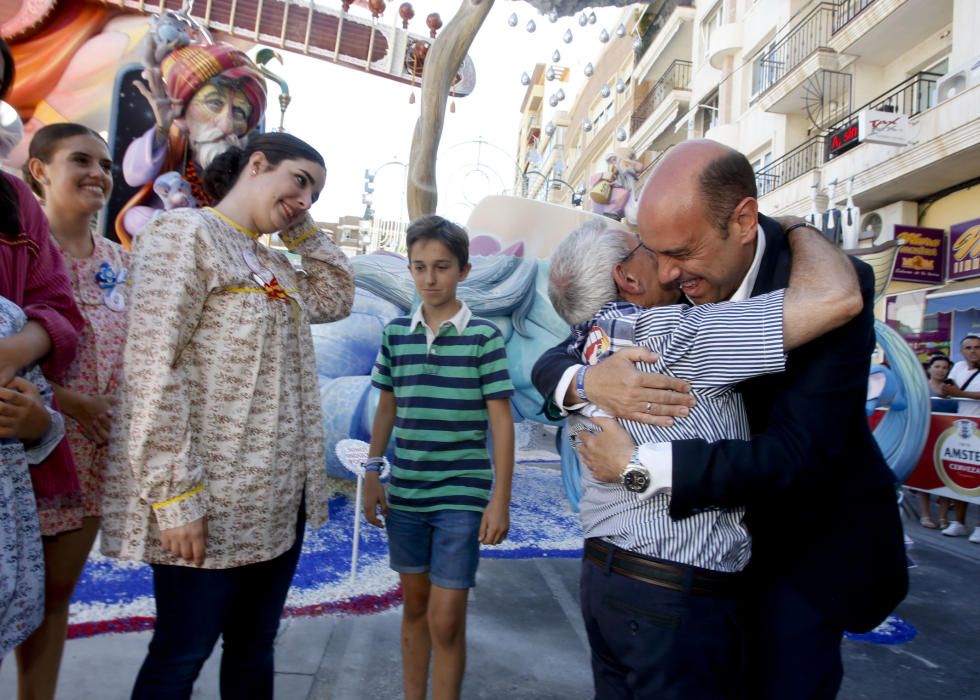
{"x": 205, "y": 98}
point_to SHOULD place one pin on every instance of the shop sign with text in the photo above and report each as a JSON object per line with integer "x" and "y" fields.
{"x": 877, "y": 126}
{"x": 964, "y": 250}
{"x": 843, "y": 139}
{"x": 922, "y": 256}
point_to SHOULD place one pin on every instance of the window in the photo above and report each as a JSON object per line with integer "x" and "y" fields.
{"x": 765, "y": 182}
{"x": 762, "y": 161}
{"x": 927, "y": 87}
{"x": 764, "y": 70}
{"x": 709, "y": 25}
{"x": 708, "y": 113}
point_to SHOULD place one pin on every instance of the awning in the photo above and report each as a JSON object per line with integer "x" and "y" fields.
{"x": 952, "y": 302}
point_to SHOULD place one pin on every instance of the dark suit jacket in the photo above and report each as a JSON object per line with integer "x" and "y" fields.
{"x": 821, "y": 503}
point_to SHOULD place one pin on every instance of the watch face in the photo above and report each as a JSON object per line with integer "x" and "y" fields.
{"x": 635, "y": 479}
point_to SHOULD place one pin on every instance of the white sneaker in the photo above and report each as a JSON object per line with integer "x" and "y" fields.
{"x": 975, "y": 537}
{"x": 955, "y": 529}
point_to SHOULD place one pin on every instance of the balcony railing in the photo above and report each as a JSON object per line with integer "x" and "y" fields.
{"x": 801, "y": 160}
{"x": 910, "y": 97}
{"x": 676, "y": 77}
{"x": 657, "y": 19}
{"x": 847, "y": 10}
{"x": 812, "y": 33}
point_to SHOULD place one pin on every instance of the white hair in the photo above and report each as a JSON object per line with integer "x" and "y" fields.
{"x": 581, "y": 277}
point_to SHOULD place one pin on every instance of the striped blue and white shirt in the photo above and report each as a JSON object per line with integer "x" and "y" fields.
{"x": 713, "y": 347}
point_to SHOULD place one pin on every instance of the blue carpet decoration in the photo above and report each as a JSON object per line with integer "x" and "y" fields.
{"x": 117, "y": 596}
{"x": 894, "y": 630}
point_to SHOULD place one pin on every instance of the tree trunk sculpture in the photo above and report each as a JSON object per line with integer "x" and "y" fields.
{"x": 441, "y": 64}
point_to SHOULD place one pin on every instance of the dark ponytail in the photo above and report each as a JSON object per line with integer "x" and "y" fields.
{"x": 9, "y": 201}
{"x": 222, "y": 174}
{"x": 227, "y": 167}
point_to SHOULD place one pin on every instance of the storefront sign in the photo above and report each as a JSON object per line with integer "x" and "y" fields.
{"x": 891, "y": 128}
{"x": 964, "y": 250}
{"x": 843, "y": 139}
{"x": 923, "y": 255}
{"x": 950, "y": 462}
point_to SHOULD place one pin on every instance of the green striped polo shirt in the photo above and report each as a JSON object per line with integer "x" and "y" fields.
{"x": 441, "y": 393}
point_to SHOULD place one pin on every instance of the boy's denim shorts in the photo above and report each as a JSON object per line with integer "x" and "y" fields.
{"x": 444, "y": 543}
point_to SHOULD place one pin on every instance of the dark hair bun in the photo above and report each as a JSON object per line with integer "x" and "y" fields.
{"x": 223, "y": 172}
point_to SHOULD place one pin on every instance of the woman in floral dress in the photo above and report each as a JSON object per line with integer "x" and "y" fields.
{"x": 216, "y": 461}
{"x": 70, "y": 169}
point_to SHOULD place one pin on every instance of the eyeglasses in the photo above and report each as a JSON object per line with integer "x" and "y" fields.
{"x": 633, "y": 251}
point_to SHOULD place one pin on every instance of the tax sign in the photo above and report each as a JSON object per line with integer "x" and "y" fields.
{"x": 875, "y": 126}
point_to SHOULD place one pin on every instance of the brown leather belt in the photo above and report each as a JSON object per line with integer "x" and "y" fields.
{"x": 676, "y": 577}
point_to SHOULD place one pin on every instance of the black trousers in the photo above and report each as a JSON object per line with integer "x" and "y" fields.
{"x": 793, "y": 649}
{"x": 197, "y": 606}
{"x": 652, "y": 642}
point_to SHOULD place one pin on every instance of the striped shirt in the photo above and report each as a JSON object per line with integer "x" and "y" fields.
{"x": 441, "y": 393}
{"x": 713, "y": 347}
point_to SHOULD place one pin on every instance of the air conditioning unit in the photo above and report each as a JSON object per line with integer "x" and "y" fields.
{"x": 878, "y": 225}
{"x": 957, "y": 81}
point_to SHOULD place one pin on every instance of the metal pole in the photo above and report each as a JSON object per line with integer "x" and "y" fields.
{"x": 357, "y": 529}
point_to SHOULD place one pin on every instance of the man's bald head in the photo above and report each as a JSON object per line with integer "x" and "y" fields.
{"x": 698, "y": 212}
{"x": 719, "y": 176}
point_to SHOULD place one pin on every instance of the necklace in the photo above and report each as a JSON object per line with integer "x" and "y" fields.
{"x": 197, "y": 185}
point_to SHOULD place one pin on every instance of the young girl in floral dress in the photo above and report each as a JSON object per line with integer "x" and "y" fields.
{"x": 28, "y": 434}
{"x": 70, "y": 169}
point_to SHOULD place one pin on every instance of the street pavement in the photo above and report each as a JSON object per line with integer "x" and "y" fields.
{"x": 526, "y": 642}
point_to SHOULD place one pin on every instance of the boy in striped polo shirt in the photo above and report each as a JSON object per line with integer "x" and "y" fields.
{"x": 442, "y": 374}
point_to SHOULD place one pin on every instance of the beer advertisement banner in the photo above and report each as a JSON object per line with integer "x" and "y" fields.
{"x": 950, "y": 462}
{"x": 923, "y": 255}
{"x": 964, "y": 250}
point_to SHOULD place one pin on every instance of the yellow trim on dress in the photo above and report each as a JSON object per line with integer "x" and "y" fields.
{"x": 254, "y": 235}
{"x": 176, "y": 499}
{"x": 302, "y": 237}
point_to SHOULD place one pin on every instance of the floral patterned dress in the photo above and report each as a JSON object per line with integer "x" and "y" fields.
{"x": 219, "y": 408}
{"x": 99, "y": 284}
{"x": 21, "y": 556}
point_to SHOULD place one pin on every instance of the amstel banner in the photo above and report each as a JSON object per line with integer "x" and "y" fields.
{"x": 950, "y": 462}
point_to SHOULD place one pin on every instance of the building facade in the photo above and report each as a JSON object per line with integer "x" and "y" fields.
{"x": 863, "y": 114}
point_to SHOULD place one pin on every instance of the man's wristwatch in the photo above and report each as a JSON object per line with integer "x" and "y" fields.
{"x": 635, "y": 477}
